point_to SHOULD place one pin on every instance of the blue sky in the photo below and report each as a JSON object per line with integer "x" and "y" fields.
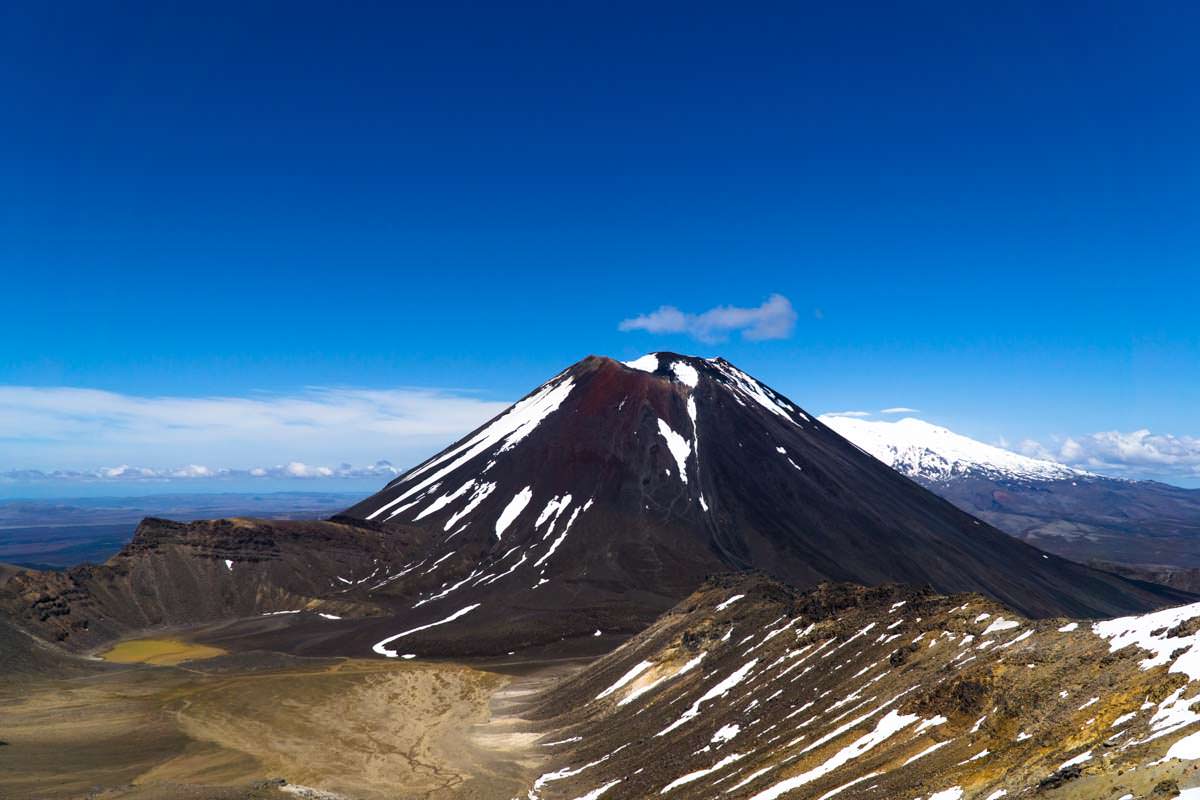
{"x": 986, "y": 213}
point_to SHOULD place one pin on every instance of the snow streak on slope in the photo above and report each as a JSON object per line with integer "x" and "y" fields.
{"x": 921, "y": 450}
{"x": 382, "y": 647}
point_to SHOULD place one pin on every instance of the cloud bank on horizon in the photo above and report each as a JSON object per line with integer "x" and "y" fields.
{"x": 1139, "y": 453}
{"x": 774, "y": 319}
{"x": 74, "y": 434}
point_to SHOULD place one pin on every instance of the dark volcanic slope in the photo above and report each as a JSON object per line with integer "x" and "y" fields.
{"x": 752, "y": 691}
{"x": 608, "y": 493}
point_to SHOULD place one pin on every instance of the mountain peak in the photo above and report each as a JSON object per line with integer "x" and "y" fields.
{"x": 920, "y": 449}
{"x": 683, "y": 368}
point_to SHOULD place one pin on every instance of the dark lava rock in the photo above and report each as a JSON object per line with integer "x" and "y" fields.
{"x": 1166, "y": 788}
{"x": 1059, "y": 778}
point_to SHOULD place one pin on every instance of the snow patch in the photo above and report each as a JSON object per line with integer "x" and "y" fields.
{"x": 686, "y": 373}
{"x": 554, "y": 508}
{"x": 931, "y": 749}
{"x": 1150, "y": 633}
{"x": 679, "y": 447}
{"x": 599, "y": 790}
{"x": 729, "y": 602}
{"x": 513, "y": 510}
{"x": 445, "y": 500}
{"x": 1001, "y": 624}
{"x": 624, "y": 680}
{"x": 720, "y": 690}
{"x": 1187, "y": 748}
{"x": 725, "y": 733}
{"x": 647, "y": 363}
{"x": 554, "y": 545}
{"x": 755, "y": 391}
{"x": 700, "y": 773}
{"x": 381, "y": 646}
{"x": 477, "y": 496}
{"x": 686, "y": 668}
{"x": 953, "y": 793}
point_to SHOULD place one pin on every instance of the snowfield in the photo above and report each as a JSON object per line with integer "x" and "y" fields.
{"x": 921, "y": 449}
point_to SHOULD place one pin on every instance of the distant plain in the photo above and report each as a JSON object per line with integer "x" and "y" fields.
{"x": 63, "y": 532}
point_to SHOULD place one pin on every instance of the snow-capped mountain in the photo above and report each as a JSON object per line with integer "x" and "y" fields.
{"x": 1141, "y": 528}
{"x": 920, "y": 449}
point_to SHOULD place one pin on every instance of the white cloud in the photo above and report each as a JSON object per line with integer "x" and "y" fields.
{"x": 900, "y": 410}
{"x": 859, "y": 414}
{"x": 1033, "y": 449}
{"x": 128, "y": 474}
{"x": 774, "y": 319}
{"x": 1134, "y": 454}
{"x": 64, "y": 432}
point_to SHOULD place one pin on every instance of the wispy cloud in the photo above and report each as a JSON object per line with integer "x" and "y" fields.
{"x": 774, "y": 319}
{"x": 1139, "y": 453}
{"x": 846, "y": 414}
{"x": 67, "y": 432}
{"x": 900, "y": 410}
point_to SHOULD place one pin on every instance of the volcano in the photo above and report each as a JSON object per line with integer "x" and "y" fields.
{"x": 612, "y": 490}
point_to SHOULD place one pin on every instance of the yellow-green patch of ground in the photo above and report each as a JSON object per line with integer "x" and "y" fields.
{"x": 161, "y": 652}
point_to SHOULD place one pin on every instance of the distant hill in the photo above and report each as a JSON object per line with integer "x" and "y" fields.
{"x": 64, "y": 532}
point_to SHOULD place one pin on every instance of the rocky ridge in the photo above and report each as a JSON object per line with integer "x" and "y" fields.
{"x": 183, "y": 574}
{"x": 749, "y": 689}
